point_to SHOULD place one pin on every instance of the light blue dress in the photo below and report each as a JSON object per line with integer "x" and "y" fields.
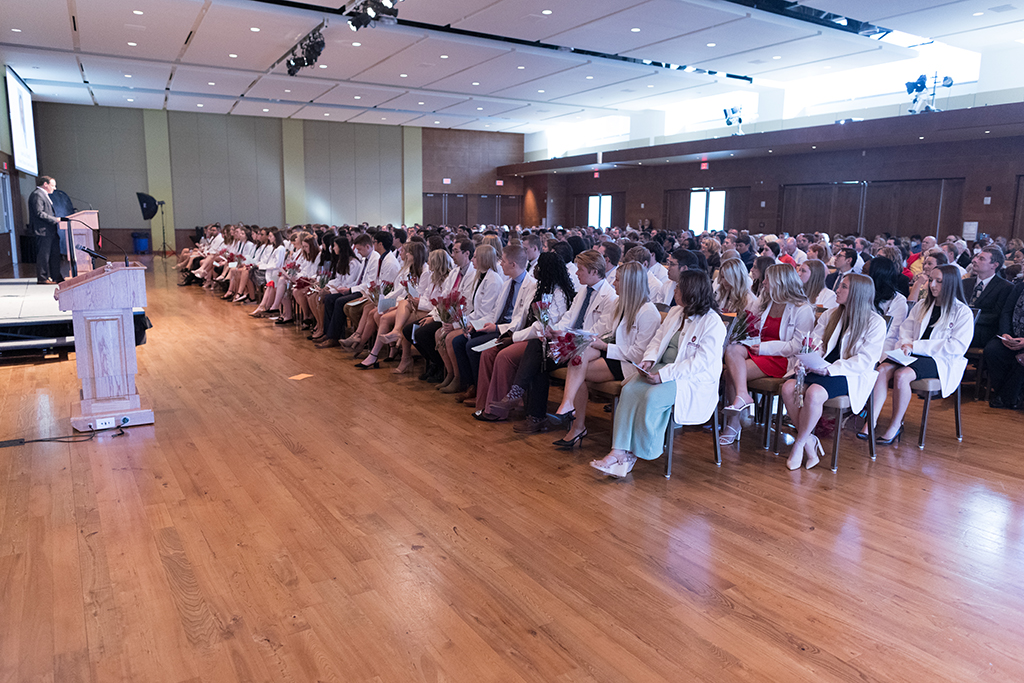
{"x": 642, "y": 414}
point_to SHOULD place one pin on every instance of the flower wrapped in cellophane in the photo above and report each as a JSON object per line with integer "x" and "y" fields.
{"x": 744, "y": 326}
{"x": 568, "y": 347}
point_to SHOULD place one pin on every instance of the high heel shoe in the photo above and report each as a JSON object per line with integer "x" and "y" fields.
{"x": 816, "y": 453}
{"x": 862, "y": 436}
{"x": 562, "y": 420}
{"x": 568, "y": 445}
{"x": 375, "y": 365}
{"x": 618, "y": 469}
{"x": 895, "y": 438}
{"x": 729, "y": 435}
{"x": 738, "y": 409}
{"x": 282, "y": 321}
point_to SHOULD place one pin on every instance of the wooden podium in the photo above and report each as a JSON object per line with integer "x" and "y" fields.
{"x": 101, "y": 303}
{"x": 81, "y": 235}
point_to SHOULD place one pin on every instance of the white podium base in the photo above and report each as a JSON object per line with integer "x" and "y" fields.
{"x": 125, "y": 416}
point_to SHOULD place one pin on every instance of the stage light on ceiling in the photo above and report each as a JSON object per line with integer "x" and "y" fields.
{"x": 734, "y": 115}
{"x": 306, "y": 52}
{"x": 369, "y": 12}
{"x": 921, "y": 99}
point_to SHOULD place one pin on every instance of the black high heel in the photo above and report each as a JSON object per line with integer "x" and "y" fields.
{"x": 557, "y": 420}
{"x": 564, "y": 445}
{"x": 895, "y": 438}
{"x": 375, "y": 366}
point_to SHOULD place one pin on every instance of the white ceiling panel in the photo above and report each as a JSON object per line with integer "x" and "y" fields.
{"x": 957, "y": 18}
{"x": 59, "y": 92}
{"x": 277, "y": 110}
{"x": 347, "y": 54}
{"x": 482, "y": 107}
{"x": 438, "y": 121}
{"x": 660, "y": 82}
{"x": 202, "y": 105}
{"x": 119, "y": 97}
{"x": 720, "y": 41}
{"x": 873, "y": 10}
{"x": 125, "y": 73}
{"x": 319, "y": 112}
{"x": 208, "y": 81}
{"x": 794, "y": 53}
{"x": 491, "y": 125}
{"x": 994, "y": 37}
{"x": 836, "y": 64}
{"x": 425, "y": 102}
{"x": 43, "y": 66}
{"x": 508, "y": 70}
{"x": 226, "y": 30}
{"x": 543, "y": 111}
{"x": 581, "y": 79}
{"x": 40, "y": 22}
{"x": 297, "y": 89}
{"x": 525, "y": 19}
{"x": 158, "y": 33}
{"x": 356, "y": 95}
{"x": 422, "y": 63}
{"x": 674, "y": 18}
{"x": 440, "y": 13}
{"x": 383, "y": 117}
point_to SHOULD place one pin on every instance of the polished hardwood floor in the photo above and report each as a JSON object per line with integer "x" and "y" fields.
{"x": 354, "y": 526}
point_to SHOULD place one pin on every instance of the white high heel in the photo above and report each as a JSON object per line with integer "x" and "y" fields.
{"x": 729, "y": 435}
{"x": 618, "y": 469}
{"x": 819, "y": 451}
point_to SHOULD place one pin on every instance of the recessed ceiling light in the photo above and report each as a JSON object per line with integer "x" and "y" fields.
{"x": 383, "y": 118}
{"x": 777, "y": 57}
{"x": 476, "y": 82}
{"x": 16, "y": 30}
{"x": 828, "y": 66}
{"x": 285, "y": 90}
{"x": 814, "y": 147}
{"x": 987, "y": 132}
{"x": 199, "y": 105}
{"x": 254, "y": 29}
{"x": 323, "y": 66}
{"x": 635, "y": 30}
{"x": 419, "y": 103}
{"x": 479, "y": 108}
{"x": 921, "y": 138}
{"x": 130, "y": 99}
{"x": 233, "y": 56}
{"x": 132, "y": 44}
{"x": 211, "y": 83}
{"x": 546, "y": 12}
{"x": 136, "y": 11}
{"x": 127, "y": 75}
{"x": 326, "y": 114}
{"x": 520, "y": 67}
{"x": 712, "y": 44}
{"x": 590, "y": 78}
{"x": 437, "y": 122}
{"x": 651, "y": 85}
{"x": 403, "y": 75}
{"x": 356, "y": 44}
{"x": 444, "y": 56}
{"x": 266, "y": 110}
{"x": 358, "y": 97}
{"x": 769, "y": 151}
{"x": 540, "y": 91}
{"x": 487, "y": 125}
{"x": 977, "y": 14}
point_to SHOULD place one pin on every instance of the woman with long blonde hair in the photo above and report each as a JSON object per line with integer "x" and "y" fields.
{"x": 786, "y": 318}
{"x": 733, "y": 288}
{"x": 406, "y": 298}
{"x": 850, "y": 338}
{"x": 635, "y": 321}
{"x": 812, "y": 273}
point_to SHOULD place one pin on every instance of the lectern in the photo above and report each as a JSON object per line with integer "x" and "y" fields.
{"x": 101, "y": 303}
{"x": 80, "y": 230}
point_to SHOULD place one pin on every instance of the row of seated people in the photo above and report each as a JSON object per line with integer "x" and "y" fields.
{"x": 669, "y": 365}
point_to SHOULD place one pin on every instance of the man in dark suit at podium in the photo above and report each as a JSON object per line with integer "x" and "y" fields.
{"x": 43, "y": 223}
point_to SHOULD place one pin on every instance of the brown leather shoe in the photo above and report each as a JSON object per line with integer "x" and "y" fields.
{"x": 467, "y": 395}
{"x": 531, "y": 425}
{"x": 328, "y": 344}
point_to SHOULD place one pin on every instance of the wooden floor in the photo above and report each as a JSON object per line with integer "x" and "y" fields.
{"x": 351, "y": 527}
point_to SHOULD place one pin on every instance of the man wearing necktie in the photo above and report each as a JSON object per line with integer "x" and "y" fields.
{"x": 44, "y": 224}
{"x": 1004, "y": 354}
{"x": 510, "y": 316}
{"x": 987, "y": 292}
{"x": 334, "y": 304}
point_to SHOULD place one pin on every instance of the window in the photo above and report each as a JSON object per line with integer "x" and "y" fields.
{"x": 707, "y": 210}
{"x": 599, "y": 213}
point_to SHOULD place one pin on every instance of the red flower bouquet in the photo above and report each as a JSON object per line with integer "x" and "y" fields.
{"x": 569, "y": 346}
{"x": 744, "y": 326}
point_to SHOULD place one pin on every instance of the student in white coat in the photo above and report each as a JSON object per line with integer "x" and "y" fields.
{"x": 786, "y": 318}
{"x": 812, "y": 274}
{"x": 888, "y": 301}
{"x": 635, "y": 320}
{"x": 937, "y": 333}
{"x": 850, "y": 337}
{"x": 682, "y": 367}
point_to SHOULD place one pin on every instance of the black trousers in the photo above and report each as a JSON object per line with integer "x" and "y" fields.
{"x": 532, "y": 376}
{"x": 334, "y": 314}
{"x": 424, "y": 342}
{"x": 48, "y": 257}
{"x": 1006, "y": 373}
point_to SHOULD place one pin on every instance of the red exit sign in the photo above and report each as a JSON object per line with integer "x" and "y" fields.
{"x": 703, "y": 165}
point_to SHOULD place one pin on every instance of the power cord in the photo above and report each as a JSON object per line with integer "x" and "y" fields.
{"x": 70, "y": 438}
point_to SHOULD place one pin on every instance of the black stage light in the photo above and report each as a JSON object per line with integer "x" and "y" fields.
{"x": 917, "y": 86}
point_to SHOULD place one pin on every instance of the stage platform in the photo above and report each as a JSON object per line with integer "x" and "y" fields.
{"x": 32, "y": 323}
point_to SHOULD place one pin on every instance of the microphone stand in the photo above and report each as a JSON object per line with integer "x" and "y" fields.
{"x": 164, "y": 250}
{"x": 69, "y": 219}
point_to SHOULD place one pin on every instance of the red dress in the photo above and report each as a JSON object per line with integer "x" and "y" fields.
{"x": 771, "y": 366}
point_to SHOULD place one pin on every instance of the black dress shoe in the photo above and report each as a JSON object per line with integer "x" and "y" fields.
{"x": 531, "y": 425}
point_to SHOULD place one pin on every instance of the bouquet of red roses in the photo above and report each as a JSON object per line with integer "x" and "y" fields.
{"x": 290, "y": 269}
{"x": 542, "y": 309}
{"x": 743, "y": 327}
{"x": 569, "y": 346}
{"x": 451, "y": 308}
{"x": 376, "y": 290}
{"x": 410, "y": 284}
{"x": 303, "y": 283}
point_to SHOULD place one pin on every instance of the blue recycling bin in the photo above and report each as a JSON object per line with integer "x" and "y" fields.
{"x": 140, "y": 242}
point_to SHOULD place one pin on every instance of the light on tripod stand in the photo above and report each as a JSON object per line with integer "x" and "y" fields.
{"x": 733, "y": 115}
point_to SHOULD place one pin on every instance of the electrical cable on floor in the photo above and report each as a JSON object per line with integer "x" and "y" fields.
{"x": 70, "y": 438}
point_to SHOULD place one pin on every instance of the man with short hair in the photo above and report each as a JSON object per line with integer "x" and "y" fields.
{"x": 844, "y": 260}
{"x": 746, "y": 251}
{"x": 987, "y": 292}
{"x": 44, "y": 223}
{"x": 334, "y": 304}
{"x": 611, "y": 252}
{"x": 531, "y": 243}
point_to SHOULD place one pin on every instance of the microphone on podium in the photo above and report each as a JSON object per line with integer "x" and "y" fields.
{"x": 90, "y": 252}
{"x": 68, "y": 221}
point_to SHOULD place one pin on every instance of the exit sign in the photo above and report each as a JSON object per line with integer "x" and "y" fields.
{"x": 704, "y": 166}
{"x": 499, "y": 183}
{"x": 446, "y": 181}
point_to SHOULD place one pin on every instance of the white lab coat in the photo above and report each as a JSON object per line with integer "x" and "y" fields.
{"x": 482, "y": 301}
{"x": 948, "y": 342}
{"x": 631, "y": 342}
{"x": 858, "y": 369}
{"x": 896, "y": 308}
{"x": 796, "y": 324}
{"x": 698, "y": 367}
{"x": 556, "y": 312}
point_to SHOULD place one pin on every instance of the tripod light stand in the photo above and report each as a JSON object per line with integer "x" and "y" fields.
{"x": 149, "y": 205}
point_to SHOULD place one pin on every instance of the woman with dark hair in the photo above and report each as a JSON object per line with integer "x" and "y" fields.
{"x": 414, "y": 257}
{"x": 850, "y": 337}
{"x": 936, "y": 334}
{"x": 888, "y": 300}
{"x": 498, "y": 365}
{"x": 306, "y": 258}
{"x": 678, "y": 377}
{"x": 577, "y": 244}
{"x": 757, "y": 272}
{"x": 920, "y": 284}
{"x": 344, "y": 272}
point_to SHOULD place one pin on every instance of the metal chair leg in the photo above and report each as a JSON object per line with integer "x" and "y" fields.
{"x": 778, "y": 423}
{"x": 838, "y": 414}
{"x": 924, "y": 418}
{"x": 715, "y": 433}
{"x": 766, "y": 419}
{"x": 956, "y": 416}
{"x": 871, "y": 426}
{"x": 670, "y": 439}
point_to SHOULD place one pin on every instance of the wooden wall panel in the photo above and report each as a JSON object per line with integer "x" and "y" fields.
{"x": 470, "y": 159}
